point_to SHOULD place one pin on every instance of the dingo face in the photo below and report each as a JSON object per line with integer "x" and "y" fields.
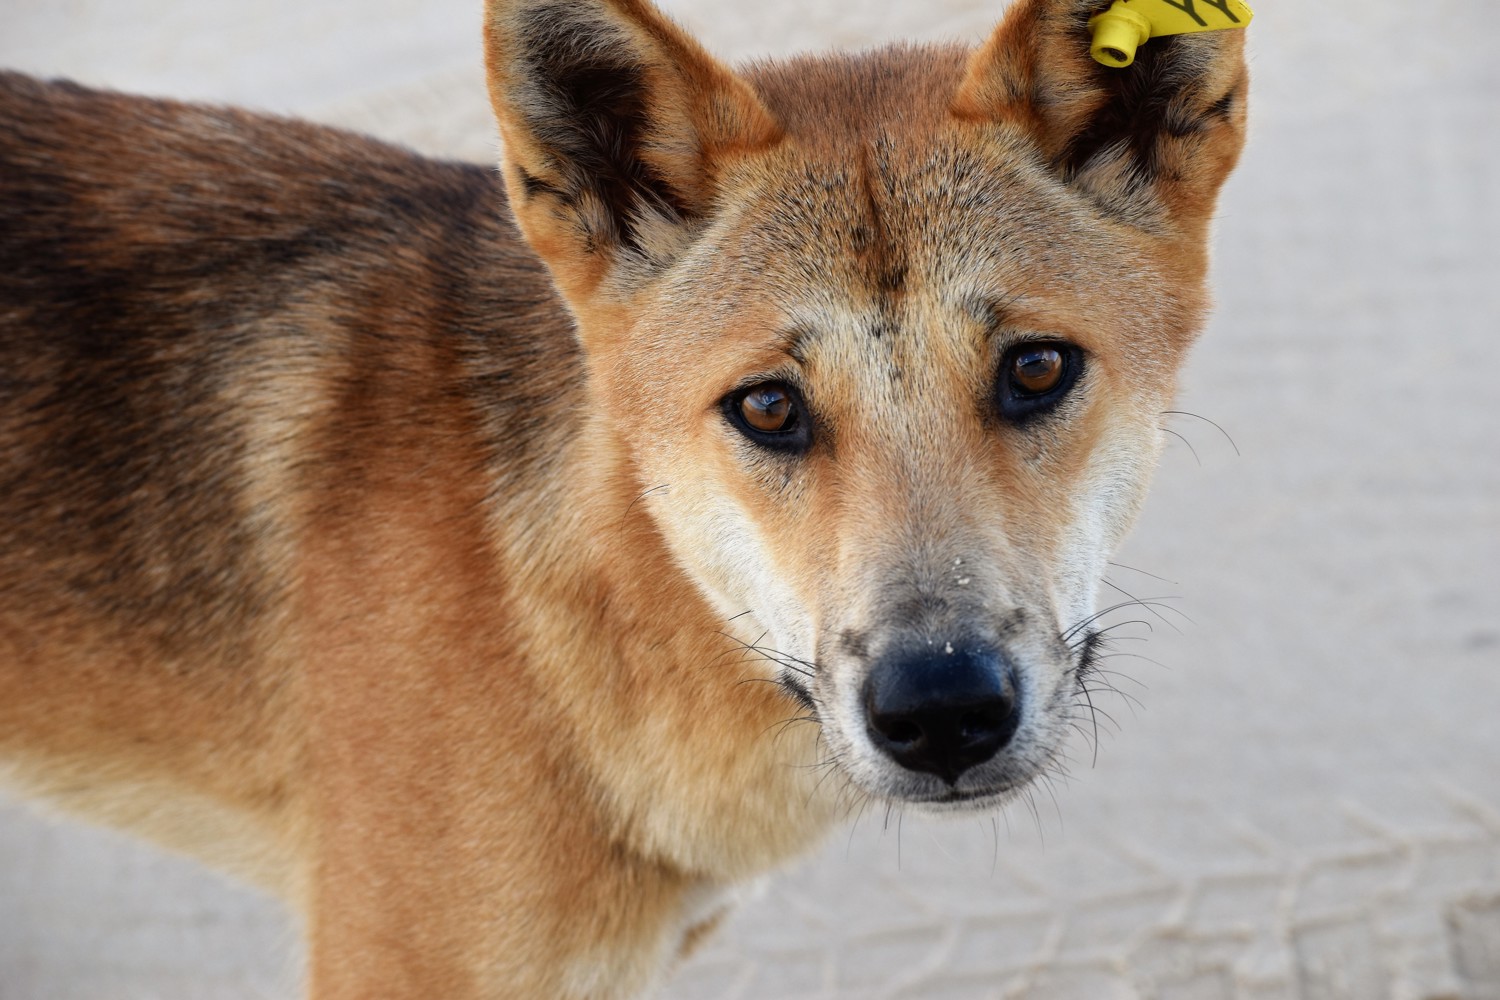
{"x": 851, "y": 447}
{"x": 887, "y": 338}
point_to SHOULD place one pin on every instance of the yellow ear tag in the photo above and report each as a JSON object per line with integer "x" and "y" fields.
{"x": 1126, "y": 26}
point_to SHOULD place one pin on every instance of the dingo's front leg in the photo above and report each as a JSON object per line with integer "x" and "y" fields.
{"x": 397, "y": 918}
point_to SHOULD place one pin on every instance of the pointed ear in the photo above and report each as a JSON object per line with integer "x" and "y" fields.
{"x": 615, "y": 124}
{"x": 1151, "y": 142}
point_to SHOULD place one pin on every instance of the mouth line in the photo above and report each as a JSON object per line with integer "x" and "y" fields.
{"x": 956, "y": 797}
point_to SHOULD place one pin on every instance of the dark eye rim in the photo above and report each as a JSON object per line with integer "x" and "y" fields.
{"x": 1018, "y": 405}
{"x": 793, "y": 439}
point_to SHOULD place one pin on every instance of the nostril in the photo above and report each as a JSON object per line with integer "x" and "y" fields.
{"x": 980, "y": 725}
{"x": 992, "y": 715}
{"x": 899, "y": 730}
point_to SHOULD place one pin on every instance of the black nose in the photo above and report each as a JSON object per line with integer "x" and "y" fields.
{"x": 942, "y": 709}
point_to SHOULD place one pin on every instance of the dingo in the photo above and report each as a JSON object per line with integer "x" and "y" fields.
{"x": 409, "y": 555}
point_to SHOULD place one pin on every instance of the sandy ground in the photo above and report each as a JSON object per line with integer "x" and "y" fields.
{"x": 1306, "y": 803}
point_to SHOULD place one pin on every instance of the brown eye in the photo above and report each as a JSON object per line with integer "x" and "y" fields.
{"x": 1035, "y": 376}
{"x": 1037, "y": 370}
{"x": 768, "y": 409}
{"x": 772, "y": 415}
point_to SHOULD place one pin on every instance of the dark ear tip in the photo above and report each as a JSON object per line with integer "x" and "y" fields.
{"x": 611, "y": 115}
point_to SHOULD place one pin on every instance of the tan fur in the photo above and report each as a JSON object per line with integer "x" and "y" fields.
{"x": 339, "y": 549}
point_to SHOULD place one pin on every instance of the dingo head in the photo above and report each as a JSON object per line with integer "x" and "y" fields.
{"x": 895, "y": 330}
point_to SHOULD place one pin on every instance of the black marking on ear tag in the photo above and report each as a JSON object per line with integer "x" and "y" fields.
{"x": 1190, "y": 8}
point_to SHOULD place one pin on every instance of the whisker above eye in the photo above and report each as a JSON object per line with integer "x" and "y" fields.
{"x": 1214, "y": 424}
{"x": 1196, "y": 458}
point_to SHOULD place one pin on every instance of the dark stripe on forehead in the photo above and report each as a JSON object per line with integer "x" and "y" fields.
{"x": 884, "y": 258}
{"x": 881, "y": 258}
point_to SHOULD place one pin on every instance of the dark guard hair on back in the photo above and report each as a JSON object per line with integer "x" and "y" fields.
{"x": 169, "y": 274}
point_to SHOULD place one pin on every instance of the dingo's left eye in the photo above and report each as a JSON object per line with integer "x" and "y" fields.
{"x": 1035, "y": 377}
{"x": 1037, "y": 370}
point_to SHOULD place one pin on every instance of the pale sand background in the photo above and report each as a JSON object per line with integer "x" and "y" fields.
{"x": 1307, "y": 806}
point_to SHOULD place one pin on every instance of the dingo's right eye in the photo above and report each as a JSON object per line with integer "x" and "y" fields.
{"x": 770, "y": 414}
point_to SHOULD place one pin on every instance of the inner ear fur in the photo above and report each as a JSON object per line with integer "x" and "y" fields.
{"x": 615, "y": 124}
{"x": 1152, "y": 140}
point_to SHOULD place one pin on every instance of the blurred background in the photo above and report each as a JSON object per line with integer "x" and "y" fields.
{"x": 1304, "y": 803}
